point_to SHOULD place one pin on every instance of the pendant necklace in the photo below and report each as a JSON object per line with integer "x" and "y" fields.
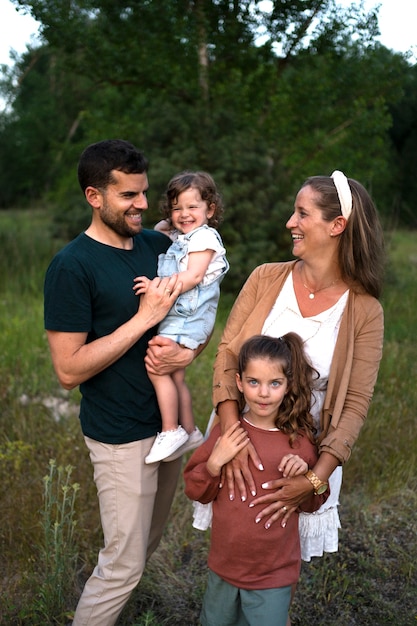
{"x": 312, "y": 294}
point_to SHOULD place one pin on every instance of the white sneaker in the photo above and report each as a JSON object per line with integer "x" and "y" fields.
{"x": 166, "y": 443}
{"x": 194, "y": 440}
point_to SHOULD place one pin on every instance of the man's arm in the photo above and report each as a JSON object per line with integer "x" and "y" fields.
{"x": 75, "y": 361}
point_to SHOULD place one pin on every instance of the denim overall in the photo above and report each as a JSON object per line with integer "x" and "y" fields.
{"x": 191, "y": 319}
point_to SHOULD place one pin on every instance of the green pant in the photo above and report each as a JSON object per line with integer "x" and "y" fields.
{"x": 226, "y": 605}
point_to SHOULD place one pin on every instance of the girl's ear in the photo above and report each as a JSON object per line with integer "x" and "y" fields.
{"x": 239, "y": 382}
{"x": 210, "y": 210}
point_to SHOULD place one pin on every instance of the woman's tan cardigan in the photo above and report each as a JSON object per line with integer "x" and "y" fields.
{"x": 353, "y": 370}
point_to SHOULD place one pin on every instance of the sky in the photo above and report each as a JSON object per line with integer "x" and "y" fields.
{"x": 396, "y": 22}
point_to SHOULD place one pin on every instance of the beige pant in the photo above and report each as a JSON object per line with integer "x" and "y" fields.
{"x": 135, "y": 500}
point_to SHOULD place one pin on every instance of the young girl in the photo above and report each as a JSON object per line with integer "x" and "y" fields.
{"x": 251, "y": 567}
{"x": 192, "y": 208}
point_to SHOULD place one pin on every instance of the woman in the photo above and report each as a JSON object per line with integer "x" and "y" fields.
{"x": 329, "y": 296}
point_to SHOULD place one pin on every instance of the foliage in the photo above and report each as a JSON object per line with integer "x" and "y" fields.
{"x": 394, "y": 400}
{"x": 58, "y": 550}
{"x": 262, "y": 95}
{"x": 404, "y": 139}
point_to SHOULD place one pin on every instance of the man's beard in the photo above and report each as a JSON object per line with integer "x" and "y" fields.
{"x": 117, "y": 222}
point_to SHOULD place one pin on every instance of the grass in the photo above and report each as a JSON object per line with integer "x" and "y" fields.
{"x": 371, "y": 580}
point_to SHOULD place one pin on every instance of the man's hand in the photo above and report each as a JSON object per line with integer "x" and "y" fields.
{"x": 157, "y": 300}
{"x": 164, "y": 356}
{"x": 76, "y": 360}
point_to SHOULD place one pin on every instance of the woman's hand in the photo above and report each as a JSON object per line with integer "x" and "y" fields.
{"x": 287, "y": 496}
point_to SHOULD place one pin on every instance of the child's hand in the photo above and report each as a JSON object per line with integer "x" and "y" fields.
{"x": 292, "y": 465}
{"x": 164, "y": 226}
{"x": 141, "y": 284}
{"x": 226, "y": 447}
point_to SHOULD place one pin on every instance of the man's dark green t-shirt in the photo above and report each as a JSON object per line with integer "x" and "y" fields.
{"x": 89, "y": 288}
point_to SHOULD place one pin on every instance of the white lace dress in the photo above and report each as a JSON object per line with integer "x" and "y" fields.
{"x": 319, "y": 530}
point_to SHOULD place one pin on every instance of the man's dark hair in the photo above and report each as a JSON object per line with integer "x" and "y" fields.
{"x": 99, "y": 159}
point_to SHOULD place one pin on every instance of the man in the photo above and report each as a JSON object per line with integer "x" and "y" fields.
{"x": 98, "y": 332}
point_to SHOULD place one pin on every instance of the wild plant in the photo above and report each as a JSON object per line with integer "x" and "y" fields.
{"x": 58, "y": 551}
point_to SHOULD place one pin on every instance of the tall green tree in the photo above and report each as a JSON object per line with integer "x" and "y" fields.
{"x": 260, "y": 94}
{"x": 42, "y": 122}
{"x": 403, "y": 183}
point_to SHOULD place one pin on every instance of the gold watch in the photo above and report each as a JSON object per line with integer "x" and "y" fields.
{"x": 319, "y": 486}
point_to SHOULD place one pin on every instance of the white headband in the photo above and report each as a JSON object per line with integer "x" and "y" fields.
{"x": 344, "y": 192}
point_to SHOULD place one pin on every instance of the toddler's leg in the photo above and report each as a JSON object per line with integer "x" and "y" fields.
{"x": 172, "y": 436}
{"x": 185, "y": 411}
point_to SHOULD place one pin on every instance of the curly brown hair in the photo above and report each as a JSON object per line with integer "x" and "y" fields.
{"x": 204, "y": 183}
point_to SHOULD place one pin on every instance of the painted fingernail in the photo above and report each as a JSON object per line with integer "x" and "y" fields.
{"x": 267, "y": 525}
{"x": 231, "y": 497}
{"x": 253, "y": 492}
{"x": 243, "y": 498}
{"x": 264, "y": 485}
{"x": 261, "y": 467}
{"x": 251, "y": 505}
{"x": 258, "y": 519}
